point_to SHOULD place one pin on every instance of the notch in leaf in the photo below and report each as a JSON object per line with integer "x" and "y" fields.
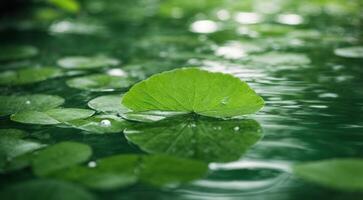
{"x": 196, "y": 91}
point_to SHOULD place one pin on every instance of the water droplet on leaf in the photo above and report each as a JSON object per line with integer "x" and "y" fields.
{"x": 92, "y": 164}
{"x": 105, "y": 122}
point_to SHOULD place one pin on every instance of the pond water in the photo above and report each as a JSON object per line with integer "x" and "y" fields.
{"x": 304, "y": 58}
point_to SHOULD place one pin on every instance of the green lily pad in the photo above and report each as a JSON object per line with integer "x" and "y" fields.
{"x": 53, "y": 116}
{"x": 202, "y": 138}
{"x": 11, "y": 147}
{"x": 100, "y": 124}
{"x": 108, "y": 104}
{"x": 86, "y": 63}
{"x": 124, "y": 170}
{"x": 15, "y": 133}
{"x": 17, "y": 52}
{"x": 98, "y": 178}
{"x": 278, "y": 58}
{"x": 350, "y": 52}
{"x": 30, "y": 75}
{"x": 71, "y": 6}
{"x": 343, "y": 174}
{"x": 99, "y": 82}
{"x": 17, "y": 163}
{"x": 107, "y": 173}
{"x": 45, "y": 189}
{"x": 194, "y": 90}
{"x": 60, "y": 156}
{"x": 35, "y": 102}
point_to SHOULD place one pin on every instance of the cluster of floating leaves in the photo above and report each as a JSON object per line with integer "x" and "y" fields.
{"x": 182, "y": 87}
{"x": 180, "y": 114}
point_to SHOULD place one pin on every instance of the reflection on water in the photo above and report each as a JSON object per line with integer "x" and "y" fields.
{"x": 201, "y": 138}
{"x": 204, "y": 26}
{"x": 289, "y": 51}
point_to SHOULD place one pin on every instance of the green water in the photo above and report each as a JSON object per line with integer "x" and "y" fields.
{"x": 283, "y": 49}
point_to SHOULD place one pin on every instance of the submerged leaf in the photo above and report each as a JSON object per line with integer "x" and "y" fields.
{"x": 194, "y": 90}
{"x": 100, "y": 82}
{"x": 17, "y": 52}
{"x": 45, "y": 189}
{"x": 202, "y": 138}
{"x": 343, "y": 174}
{"x": 86, "y": 63}
{"x": 31, "y": 75}
{"x": 35, "y": 102}
{"x": 60, "y": 156}
{"x": 53, "y": 116}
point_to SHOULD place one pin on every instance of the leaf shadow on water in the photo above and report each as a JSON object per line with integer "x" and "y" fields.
{"x": 197, "y": 137}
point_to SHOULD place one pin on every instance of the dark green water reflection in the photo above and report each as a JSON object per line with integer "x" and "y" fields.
{"x": 290, "y": 52}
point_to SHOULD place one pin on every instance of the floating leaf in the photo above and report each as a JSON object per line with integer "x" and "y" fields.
{"x": 107, "y": 173}
{"x": 45, "y": 189}
{"x": 108, "y": 104}
{"x": 350, "y": 52}
{"x": 203, "y": 138}
{"x": 11, "y": 147}
{"x": 80, "y": 62}
{"x": 194, "y": 90}
{"x": 100, "y": 124}
{"x": 343, "y": 174}
{"x": 278, "y": 58}
{"x": 30, "y": 75}
{"x": 99, "y": 82}
{"x": 53, "y": 116}
{"x": 60, "y": 156}
{"x": 17, "y": 52}
{"x": 15, "y": 133}
{"x": 17, "y": 163}
{"x": 71, "y": 6}
{"x": 36, "y": 102}
{"x": 98, "y": 178}
{"x": 124, "y": 170}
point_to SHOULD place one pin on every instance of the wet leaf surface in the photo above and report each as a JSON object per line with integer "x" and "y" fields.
{"x": 194, "y": 90}
{"x": 60, "y": 156}
{"x": 35, "y": 102}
